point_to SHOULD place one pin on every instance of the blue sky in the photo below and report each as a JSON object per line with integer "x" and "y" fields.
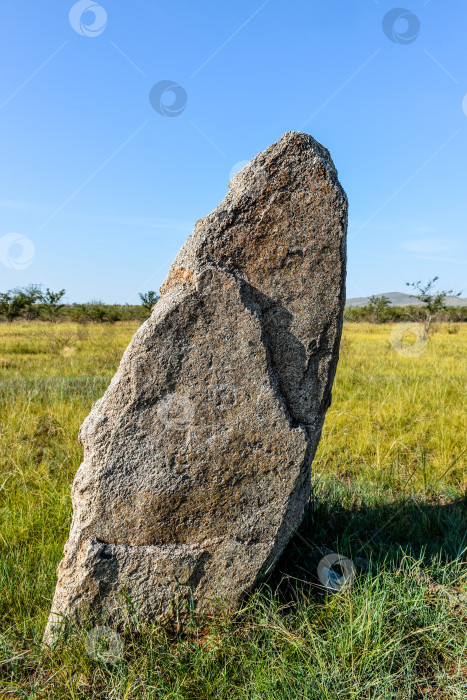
{"x": 99, "y": 190}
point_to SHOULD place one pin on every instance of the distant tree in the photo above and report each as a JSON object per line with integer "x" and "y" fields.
{"x": 79, "y": 313}
{"x": 149, "y": 299}
{"x": 376, "y": 306}
{"x": 32, "y": 294}
{"x": 12, "y": 304}
{"x": 96, "y": 310}
{"x": 113, "y": 313}
{"x": 51, "y": 303}
{"x": 433, "y": 302}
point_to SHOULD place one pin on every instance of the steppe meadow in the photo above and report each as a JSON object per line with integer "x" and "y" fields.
{"x": 270, "y": 169}
{"x": 389, "y": 492}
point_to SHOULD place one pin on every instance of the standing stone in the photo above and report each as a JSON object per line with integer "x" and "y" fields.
{"x": 197, "y": 458}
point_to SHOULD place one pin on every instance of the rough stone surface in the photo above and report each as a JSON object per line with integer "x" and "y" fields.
{"x": 197, "y": 458}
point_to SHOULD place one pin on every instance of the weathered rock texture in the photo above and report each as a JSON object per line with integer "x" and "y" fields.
{"x": 197, "y": 458}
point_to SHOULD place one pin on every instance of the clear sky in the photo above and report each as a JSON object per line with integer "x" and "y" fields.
{"x": 99, "y": 190}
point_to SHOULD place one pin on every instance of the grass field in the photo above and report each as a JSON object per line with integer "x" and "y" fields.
{"x": 389, "y": 492}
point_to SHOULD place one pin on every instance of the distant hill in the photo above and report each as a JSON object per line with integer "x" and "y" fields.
{"x": 399, "y": 299}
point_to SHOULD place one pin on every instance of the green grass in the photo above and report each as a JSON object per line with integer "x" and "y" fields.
{"x": 389, "y": 492}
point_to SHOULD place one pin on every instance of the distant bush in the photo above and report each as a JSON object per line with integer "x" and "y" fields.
{"x": 12, "y": 304}
{"x": 31, "y": 303}
{"x": 395, "y": 314}
{"x": 98, "y": 312}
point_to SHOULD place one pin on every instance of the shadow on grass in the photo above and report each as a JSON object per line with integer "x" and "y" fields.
{"x": 370, "y": 534}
